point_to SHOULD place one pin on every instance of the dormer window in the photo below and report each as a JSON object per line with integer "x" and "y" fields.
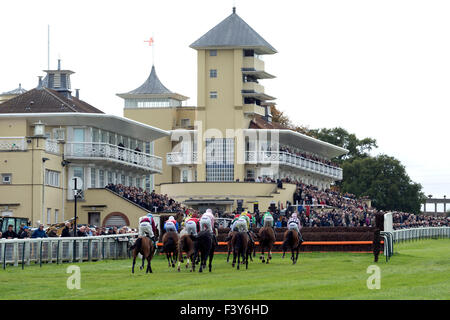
{"x": 213, "y": 53}
{"x": 249, "y": 53}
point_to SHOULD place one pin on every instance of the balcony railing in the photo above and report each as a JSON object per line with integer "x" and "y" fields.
{"x": 284, "y": 158}
{"x": 180, "y": 158}
{"x": 51, "y": 146}
{"x": 13, "y": 144}
{"x": 106, "y": 151}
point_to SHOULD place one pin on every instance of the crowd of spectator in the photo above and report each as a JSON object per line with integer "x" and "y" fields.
{"x": 151, "y": 201}
{"x": 308, "y": 156}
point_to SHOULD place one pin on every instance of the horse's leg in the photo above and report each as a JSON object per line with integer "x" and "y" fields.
{"x": 134, "y": 262}
{"x": 296, "y": 255}
{"x": 229, "y": 251}
{"x": 168, "y": 258}
{"x": 262, "y": 254}
{"x": 143, "y": 260}
{"x": 211, "y": 257}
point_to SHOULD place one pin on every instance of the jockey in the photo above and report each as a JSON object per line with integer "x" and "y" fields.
{"x": 245, "y": 216}
{"x": 152, "y": 222}
{"x": 294, "y": 223}
{"x": 191, "y": 225}
{"x": 171, "y": 224}
{"x": 207, "y": 222}
{"x": 267, "y": 220}
{"x": 233, "y": 223}
{"x": 145, "y": 228}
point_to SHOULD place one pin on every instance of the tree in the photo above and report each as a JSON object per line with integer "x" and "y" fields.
{"x": 357, "y": 149}
{"x": 384, "y": 180}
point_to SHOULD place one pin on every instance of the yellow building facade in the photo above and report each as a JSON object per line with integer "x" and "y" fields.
{"x": 49, "y": 137}
{"x": 219, "y": 147}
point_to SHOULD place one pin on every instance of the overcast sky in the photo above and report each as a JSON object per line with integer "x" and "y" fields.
{"x": 379, "y": 69}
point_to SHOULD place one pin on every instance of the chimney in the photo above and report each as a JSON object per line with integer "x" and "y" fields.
{"x": 59, "y": 64}
{"x": 77, "y": 93}
{"x": 40, "y": 82}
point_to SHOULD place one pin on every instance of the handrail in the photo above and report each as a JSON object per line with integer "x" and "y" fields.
{"x": 420, "y": 233}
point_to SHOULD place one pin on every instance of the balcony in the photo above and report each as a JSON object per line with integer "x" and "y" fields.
{"x": 13, "y": 144}
{"x": 253, "y": 86}
{"x": 106, "y": 152}
{"x": 284, "y": 158}
{"x": 181, "y": 158}
{"x": 51, "y": 146}
{"x": 253, "y": 63}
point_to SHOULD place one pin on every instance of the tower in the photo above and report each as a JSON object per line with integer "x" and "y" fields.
{"x": 230, "y": 65}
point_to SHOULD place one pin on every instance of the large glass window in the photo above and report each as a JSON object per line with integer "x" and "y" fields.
{"x": 101, "y": 178}
{"x": 52, "y": 178}
{"x": 219, "y": 159}
{"x": 213, "y": 73}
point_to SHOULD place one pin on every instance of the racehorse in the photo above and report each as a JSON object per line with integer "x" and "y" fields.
{"x": 240, "y": 242}
{"x": 204, "y": 244}
{"x": 266, "y": 240}
{"x": 229, "y": 244}
{"x": 144, "y": 246}
{"x": 292, "y": 240}
{"x": 186, "y": 244}
{"x": 170, "y": 247}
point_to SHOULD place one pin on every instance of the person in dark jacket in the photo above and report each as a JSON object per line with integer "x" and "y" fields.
{"x": 66, "y": 231}
{"x": 23, "y": 232}
{"x": 10, "y": 234}
{"x": 39, "y": 232}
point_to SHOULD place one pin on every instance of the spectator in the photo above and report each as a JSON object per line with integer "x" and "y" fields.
{"x": 10, "y": 233}
{"x": 24, "y": 232}
{"x": 66, "y": 231}
{"x": 39, "y": 232}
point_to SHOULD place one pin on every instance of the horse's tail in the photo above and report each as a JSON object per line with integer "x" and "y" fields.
{"x": 170, "y": 243}
{"x": 288, "y": 240}
{"x": 137, "y": 244}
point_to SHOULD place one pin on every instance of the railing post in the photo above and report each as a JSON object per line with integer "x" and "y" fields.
{"x": 4, "y": 255}
{"x": 23, "y": 254}
{"x": 71, "y": 250}
{"x": 40, "y": 253}
{"x": 80, "y": 251}
{"x": 16, "y": 254}
{"x": 90, "y": 250}
{"x": 49, "y": 251}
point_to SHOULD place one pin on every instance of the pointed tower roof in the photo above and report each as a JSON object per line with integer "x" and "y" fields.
{"x": 152, "y": 88}
{"x": 233, "y": 32}
{"x": 16, "y": 91}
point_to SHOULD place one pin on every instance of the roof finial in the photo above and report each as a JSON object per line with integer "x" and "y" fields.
{"x": 234, "y": 9}
{"x": 59, "y": 64}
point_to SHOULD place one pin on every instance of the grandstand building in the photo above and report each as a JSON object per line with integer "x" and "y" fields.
{"x": 48, "y": 137}
{"x": 219, "y": 148}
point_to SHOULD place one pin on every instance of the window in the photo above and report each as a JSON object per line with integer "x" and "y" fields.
{"x": 250, "y": 175}
{"x": 52, "y": 178}
{"x": 49, "y": 212}
{"x": 213, "y": 53}
{"x": 110, "y": 177}
{"x": 122, "y": 179}
{"x": 138, "y": 183}
{"x": 184, "y": 176}
{"x": 56, "y": 215}
{"x": 6, "y": 178}
{"x": 101, "y": 178}
{"x": 93, "y": 178}
{"x": 213, "y": 73}
{"x": 59, "y": 134}
{"x": 249, "y": 53}
{"x": 219, "y": 160}
{"x": 185, "y": 123}
{"x": 213, "y": 94}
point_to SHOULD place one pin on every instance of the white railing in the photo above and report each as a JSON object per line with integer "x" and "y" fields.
{"x": 13, "y": 144}
{"x": 284, "y": 158}
{"x": 421, "y": 233}
{"x": 58, "y": 250}
{"x": 179, "y": 158}
{"x": 106, "y": 151}
{"x": 51, "y": 146}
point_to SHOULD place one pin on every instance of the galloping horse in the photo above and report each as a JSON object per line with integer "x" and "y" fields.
{"x": 186, "y": 244}
{"x": 240, "y": 242}
{"x": 292, "y": 240}
{"x": 229, "y": 244}
{"x": 204, "y": 244}
{"x": 170, "y": 247}
{"x": 266, "y": 240}
{"x": 144, "y": 246}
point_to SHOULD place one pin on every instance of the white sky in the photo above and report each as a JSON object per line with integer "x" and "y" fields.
{"x": 379, "y": 68}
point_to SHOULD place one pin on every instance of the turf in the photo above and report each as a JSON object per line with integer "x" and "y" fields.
{"x": 418, "y": 270}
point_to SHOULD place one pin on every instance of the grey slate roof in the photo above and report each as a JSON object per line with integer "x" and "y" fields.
{"x": 151, "y": 86}
{"x": 233, "y": 32}
{"x": 18, "y": 90}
